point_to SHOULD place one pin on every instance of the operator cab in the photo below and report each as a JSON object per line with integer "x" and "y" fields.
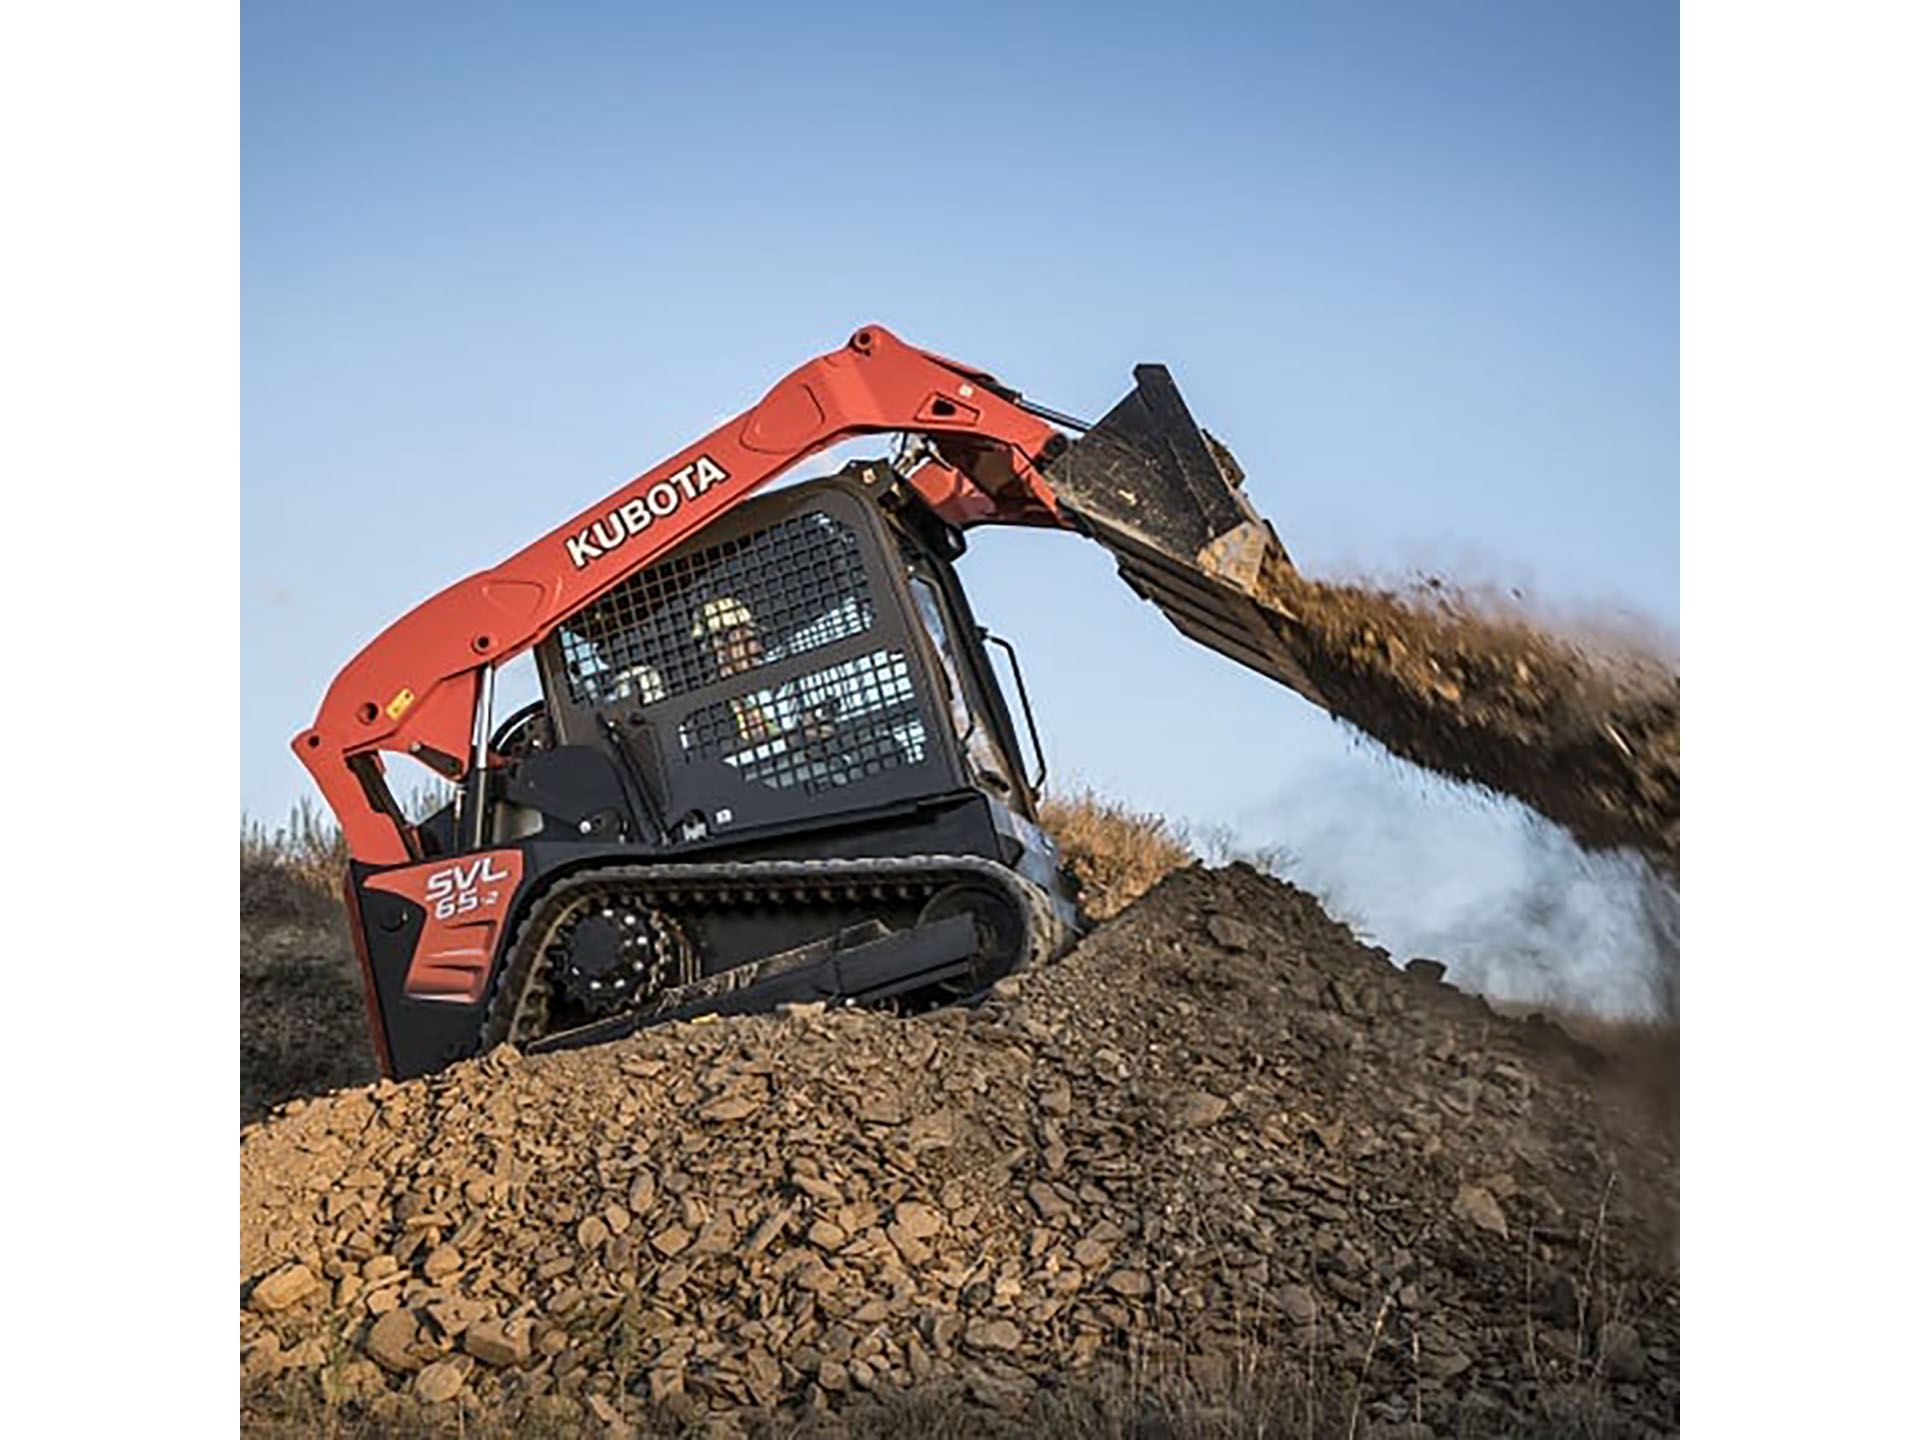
{"x": 803, "y": 677}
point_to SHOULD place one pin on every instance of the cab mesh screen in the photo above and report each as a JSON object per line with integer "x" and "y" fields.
{"x": 719, "y": 612}
{"x": 829, "y": 728}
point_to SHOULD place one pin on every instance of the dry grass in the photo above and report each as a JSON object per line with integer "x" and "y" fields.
{"x": 303, "y": 1024}
{"x": 286, "y": 870}
{"x": 1261, "y": 1402}
{"x": 1115, "y": 853}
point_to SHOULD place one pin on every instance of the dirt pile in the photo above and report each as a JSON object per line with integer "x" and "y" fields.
{"x": 1222, "y": 1142}
{"x": 1587, "y": 734}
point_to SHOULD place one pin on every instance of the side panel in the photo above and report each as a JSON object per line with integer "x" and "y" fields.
{"x": 465, "y": 904}
{"x": 428, "y": 961}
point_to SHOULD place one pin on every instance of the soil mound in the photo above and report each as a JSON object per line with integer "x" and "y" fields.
{"x": 1223, "y": 1157}
{"x": 1588, "y": 735}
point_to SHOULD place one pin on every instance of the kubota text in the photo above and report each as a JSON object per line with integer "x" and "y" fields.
{"x": 662, "y": 499}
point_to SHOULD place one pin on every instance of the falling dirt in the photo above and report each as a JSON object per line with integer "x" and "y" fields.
{"x": 1585, "y": 732}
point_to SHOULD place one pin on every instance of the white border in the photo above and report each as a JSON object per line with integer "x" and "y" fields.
{"x": 120, "y": 126}
{"x": 1799, "y": 380}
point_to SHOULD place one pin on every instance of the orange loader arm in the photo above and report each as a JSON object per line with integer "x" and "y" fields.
{"x": 414, "y": 690}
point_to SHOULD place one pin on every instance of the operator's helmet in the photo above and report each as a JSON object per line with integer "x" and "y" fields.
{"x": 727, "y": 625}
{"x": 719, "y": 616}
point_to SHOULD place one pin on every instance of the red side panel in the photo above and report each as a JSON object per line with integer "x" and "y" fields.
{"x": 466, "y": 901}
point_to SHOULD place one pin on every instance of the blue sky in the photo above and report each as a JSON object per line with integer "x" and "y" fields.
{"x": 1417, "y": 263}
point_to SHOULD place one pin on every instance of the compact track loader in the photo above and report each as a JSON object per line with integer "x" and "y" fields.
{"x": 772, "y": 761}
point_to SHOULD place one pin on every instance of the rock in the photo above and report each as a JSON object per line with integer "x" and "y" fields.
{"x": 1445, "y": 1364}
{"x": 1230, "y": 933}
{"x": 493, "y": 1342}
{"x": 380, "y": 1301}
{"x": 441, "y": 1261}
{"x": 1090, "y": 1252}
{"x": 1133, "y": 1284}
{"x": 1621, "y": 1355}
{"x": 909, "y": 1249}
{"x": 664, "y": 1382}
{"x": 1558, "y": 1299}
{"x": 826, "y": 1235}
{"x": 1480, "y": 1208}
{"x": 285, "y": 1287}
{"x": 993, "y": 1335}
{"x": 729, "y": 1107}
{"x": 932, "y": 1132}
{"x": 1211, "y": 1373}
{"x": 1296, "y": 1302}
{"x": 673, "y": 1240}
{"x": 919, "y": 1222}
{"x": 881, "y": 1108}
{"x": 1197, "y": 1110}
{"x": 1002, "y": 1389}
{"x": 262, "y": 1357}
{"x": 453, "y": 1317}
{"x": 1047, "y": 1201}
{"x": 308, "y": 1354}
{"x": 1426, "y": 972}
{"x": 592, "y": 1233}
{"x": 640, "y": 1192}
{"x": 440, "y": 1381}
{"x": 618, "y": 1426}
{"x": 391, "y": 1341}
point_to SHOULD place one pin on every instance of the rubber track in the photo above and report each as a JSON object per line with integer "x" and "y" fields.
{"x": 802, "y": 883}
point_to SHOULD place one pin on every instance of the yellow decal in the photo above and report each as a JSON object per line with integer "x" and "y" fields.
{"x": 397, "y": 706}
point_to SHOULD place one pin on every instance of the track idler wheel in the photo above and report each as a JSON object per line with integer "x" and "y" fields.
{"x": 999, "y": 923}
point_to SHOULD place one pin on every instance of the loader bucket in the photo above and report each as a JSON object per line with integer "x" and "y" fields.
{"x": 1165, "y": 498}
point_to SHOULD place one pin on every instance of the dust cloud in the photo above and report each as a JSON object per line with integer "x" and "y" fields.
{"x": 1512, "y": 906}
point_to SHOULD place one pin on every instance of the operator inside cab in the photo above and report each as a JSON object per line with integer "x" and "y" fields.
{"x": 727, "y": 625}
{"x": 639, "y": 682}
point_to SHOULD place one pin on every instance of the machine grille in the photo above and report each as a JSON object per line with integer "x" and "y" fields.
{"x": 823, "y": 730}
